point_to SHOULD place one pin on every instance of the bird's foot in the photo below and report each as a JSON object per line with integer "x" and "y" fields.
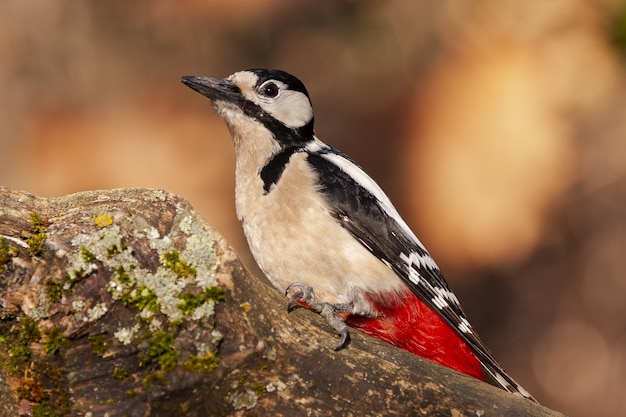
{"x": 304, "y": 296}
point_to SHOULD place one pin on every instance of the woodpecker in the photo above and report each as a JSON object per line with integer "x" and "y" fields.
{"x": 323, "y": 231}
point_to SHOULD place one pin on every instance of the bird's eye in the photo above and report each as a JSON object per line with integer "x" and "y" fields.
{"x": 270, "y": 90}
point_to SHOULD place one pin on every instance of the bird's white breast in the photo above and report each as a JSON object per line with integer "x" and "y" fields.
{"x": 294, "y": 238}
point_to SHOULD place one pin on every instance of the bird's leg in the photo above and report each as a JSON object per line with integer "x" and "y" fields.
{"x": 304, "y": 296}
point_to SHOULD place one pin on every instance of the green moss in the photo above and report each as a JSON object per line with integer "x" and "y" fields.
{"x": 87, "y": 255}
{"x": 27, "y": 330}
{"x": 131, "y": 393}
{"x": 7, "y": 252}
{"x": 55, "y": 340}
{"x": 161, "y": 351}
{"x": 35, "y": 243}
{"x": 45, "y": 409}
{"x": 259, "y": 389}
{"x": 36, "y": 222}
{"x": 215, "y": 293}
{"x": 39, "y": 378}
{"x": 75, "y": 274}
{"x": 98, "y": 343}
{"x": 172, "y": 261}
{"x": 156, "y": 377}
{"x": 54, "y": 291}
{"x": 175, "y": 323}
{"x": 84, "y": 268}
{"x": 142, "y": 298}
{"x": 16, "y": 345}
{"x": 190, "y": 301}
{"x": 37, "y": 375}
{"x": 57, "y": 394}
{"x": 38, "y": 230}
{"x": 201, "y": 364}
{"x": 116, "y": 249}
{"x": 13, "y": 356}
{"x": 123, "y": 276}
{"x": 119, "y": 373}
{"x": 19, "y": 353}
{"x": 52, "y": 372}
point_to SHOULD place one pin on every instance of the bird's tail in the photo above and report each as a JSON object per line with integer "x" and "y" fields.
{"x": 498, "y": 377}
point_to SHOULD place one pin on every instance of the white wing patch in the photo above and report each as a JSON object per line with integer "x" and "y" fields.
{"x": 420, "y": 261}
{"x": 439, "y": 302}
{"x": 364, "y": 180}
{"x": 465, "y": 326}
{"x": 443, "y": 297}
{"x": 315, "y": 146}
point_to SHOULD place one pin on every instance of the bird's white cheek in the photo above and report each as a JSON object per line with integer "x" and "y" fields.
{"x": 293, "y": 109}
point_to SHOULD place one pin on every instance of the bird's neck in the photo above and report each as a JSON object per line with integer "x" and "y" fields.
{"x": 251, "y": 156}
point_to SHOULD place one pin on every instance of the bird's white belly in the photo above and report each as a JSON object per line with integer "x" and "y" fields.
{"x": 294, "y": 238}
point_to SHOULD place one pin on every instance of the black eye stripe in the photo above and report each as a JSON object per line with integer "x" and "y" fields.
{"x": 283, "y": 134}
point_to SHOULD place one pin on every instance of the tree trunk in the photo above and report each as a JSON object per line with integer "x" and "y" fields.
{"x": 127, "y": 303}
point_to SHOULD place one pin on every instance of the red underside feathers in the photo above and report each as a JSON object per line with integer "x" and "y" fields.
{"x": 410, "y": 324}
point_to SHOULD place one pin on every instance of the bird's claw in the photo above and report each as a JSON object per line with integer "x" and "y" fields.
{"x": 304, "y": 296}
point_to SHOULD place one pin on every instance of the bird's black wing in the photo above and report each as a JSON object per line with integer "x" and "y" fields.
{"x": 363, "y": 209}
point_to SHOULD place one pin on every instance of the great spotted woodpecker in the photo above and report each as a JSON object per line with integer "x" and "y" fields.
{"x": 323, "y": 231}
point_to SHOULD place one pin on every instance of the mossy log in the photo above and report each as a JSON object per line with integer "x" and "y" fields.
{"x": 127, "y": 303}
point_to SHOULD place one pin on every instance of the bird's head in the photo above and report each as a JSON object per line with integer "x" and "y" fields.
{"x": 258, "y": 101}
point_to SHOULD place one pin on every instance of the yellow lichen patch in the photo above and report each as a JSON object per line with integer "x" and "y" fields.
{"x": 103, "y": 220}
{"x": 246, "y": 306}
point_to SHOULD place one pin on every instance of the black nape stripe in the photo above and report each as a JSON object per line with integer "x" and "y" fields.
{"x": 284, "y": 135}
{"x": 272, "y": 171}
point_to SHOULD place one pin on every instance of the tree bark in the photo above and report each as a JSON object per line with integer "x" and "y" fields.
{"x": 127, "y": 303}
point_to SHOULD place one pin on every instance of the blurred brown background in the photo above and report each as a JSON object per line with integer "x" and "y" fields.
{"x": 497, "y": 127}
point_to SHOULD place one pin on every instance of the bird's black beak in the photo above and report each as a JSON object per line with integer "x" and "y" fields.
{"x": 214, "y": 88}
